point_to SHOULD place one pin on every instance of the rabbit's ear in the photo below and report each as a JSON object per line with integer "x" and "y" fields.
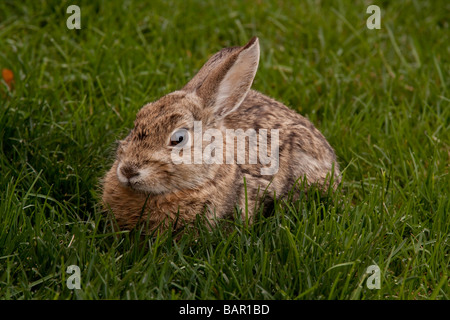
{"x": 227, "y": 85}
{"x": 211, "y": 64}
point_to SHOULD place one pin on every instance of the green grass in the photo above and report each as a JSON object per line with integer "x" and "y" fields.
{"x": 381, "y": 97}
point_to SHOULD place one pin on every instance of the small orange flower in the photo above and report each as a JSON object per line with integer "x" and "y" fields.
{"x": 8, "y": 76}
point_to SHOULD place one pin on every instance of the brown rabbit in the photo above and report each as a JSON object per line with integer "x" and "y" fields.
{"x": 159, "y": 175}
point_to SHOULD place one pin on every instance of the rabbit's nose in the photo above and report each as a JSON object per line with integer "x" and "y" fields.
{"x": 129, "y": 171}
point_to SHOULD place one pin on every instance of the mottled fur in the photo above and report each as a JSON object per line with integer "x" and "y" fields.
{"x": 220, "y": 97}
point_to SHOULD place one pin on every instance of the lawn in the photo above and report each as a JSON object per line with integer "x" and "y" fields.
{"x": 380, "y": 97}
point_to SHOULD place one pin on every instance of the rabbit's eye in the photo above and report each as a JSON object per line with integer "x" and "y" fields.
{"x": 179, "y": 138}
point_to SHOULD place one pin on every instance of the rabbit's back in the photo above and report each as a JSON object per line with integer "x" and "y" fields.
{"x": 303, "y": 150}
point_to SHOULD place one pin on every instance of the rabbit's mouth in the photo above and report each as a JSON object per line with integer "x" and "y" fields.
{"x": 131, "y": 177}
{"x": 138, "y": 181}
{"x": 145, "y": 188}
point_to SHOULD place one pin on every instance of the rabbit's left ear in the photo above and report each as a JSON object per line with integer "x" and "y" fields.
{"x": 227, "y": 85}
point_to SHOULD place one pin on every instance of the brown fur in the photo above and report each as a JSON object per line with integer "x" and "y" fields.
{"x": 220, "y": 97}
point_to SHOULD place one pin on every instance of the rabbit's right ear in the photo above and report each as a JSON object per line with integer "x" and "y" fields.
{"x": 227, "y": 85}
